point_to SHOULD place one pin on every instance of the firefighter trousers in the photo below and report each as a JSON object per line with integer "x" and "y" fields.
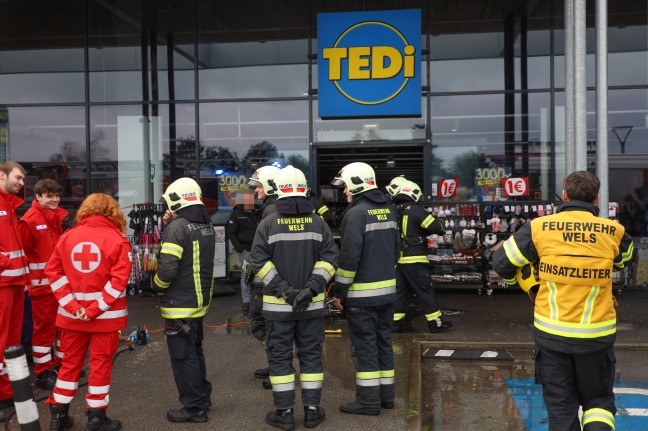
{"x": 416, "y": 278}
{"x": 11, "y": 318}
{"x": 103, "y": 346}
{"x": 571, "y": 380}
{"x": 370, "y": 330}
{"x": 188, "y": 363}
{"x": 45, "y": 346}
{"x": 282, "y": 337}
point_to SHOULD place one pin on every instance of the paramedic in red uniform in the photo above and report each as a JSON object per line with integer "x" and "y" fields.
{"x": 40, "y": 228}
{"x": 88, "y": 272}
{"x": 13, "y": 270}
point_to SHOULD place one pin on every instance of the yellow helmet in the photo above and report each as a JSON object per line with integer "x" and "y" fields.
{"x": 290, "y": 181}
{"x": 182, "y": 193}
{"x": 395, "y": 185}
{"x": 357, "y": 177}
{"x": 527, "y": 277}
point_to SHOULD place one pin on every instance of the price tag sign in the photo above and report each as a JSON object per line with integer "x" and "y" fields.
{"x": 515, "y": 186}
{"x": 448, "y": 188}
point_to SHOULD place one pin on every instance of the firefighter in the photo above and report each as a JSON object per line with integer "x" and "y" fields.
{"x": 13, "y": 269}
{"x": 88, "y": 273}
{"x": 186, "y": 277}
{"x": 262, "y": 182}
{"x": 413, "y": 273}
{"x": 40, "y": 228}
{"x": 365, "y": 286}
{"x": 574, "y": 315}
{"x": 319, "y": 208}
{"x": 394, "y": 186}
{"x": 294, "y": 255}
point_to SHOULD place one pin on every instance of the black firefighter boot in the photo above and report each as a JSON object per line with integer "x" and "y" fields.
{"x": 438, "y": 326}
{"x": 284, "y": 419}
{"x": 313, "y": 416}
{"x": 60, "y": 420}
{"x": 98, "y": 421}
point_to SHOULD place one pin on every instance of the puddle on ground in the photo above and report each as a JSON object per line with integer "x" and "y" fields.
{"x": 473, "y": 394}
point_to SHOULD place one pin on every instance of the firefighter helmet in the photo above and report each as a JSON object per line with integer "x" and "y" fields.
{"x": 395, "y": 184}
{"x": 527, "y": 277}
{"x": 411, "y": 189}
{"x": 264, "y": 177}
{"x": 357, "y": 177}
{"x": 290, "y": 182}
{"x": 182, "y": 193}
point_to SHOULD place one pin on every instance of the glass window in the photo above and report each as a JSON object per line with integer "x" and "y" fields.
{"x": 257, "y": 49}
{"x": 475, "y": 141}
{"x": 627, "y": 44}
{"x": 241, "y": 137}
{"x": 132, "y": 157}
{"x": 115, "y": 55}
{"x": 469, "y": 53}
{"x": 41, "y": 52}
{"x": 50, "y": 143}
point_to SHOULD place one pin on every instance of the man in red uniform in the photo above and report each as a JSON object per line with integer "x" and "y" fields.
{"x": 88, "y": 273}
{"x": 40, "y": 228}
{"x": 13, "y": 270}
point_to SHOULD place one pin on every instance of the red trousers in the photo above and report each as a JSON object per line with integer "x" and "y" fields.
{"x": 44, "y": 309}
{"x": 75, "y": 344}
{"x": 12, "y": 299}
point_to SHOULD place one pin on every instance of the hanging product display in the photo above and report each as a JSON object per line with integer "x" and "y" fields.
{"x": 146, "y": 223}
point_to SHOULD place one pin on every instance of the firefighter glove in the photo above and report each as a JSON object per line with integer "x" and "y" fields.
{"x": 248, "y": 272}
{"x": 302, "y": 300}
{"x": 289, "y": 295}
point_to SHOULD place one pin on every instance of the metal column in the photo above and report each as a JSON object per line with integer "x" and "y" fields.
{"x": 601, "y": 106}
{"x": 580, "y": 87}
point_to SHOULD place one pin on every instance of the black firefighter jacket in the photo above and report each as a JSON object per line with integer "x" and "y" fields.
{"x": 415, "y": 225}
{"x": 186, "y": 269}
{"x": 369, "y": 250}
{"x": 293, "y": 248}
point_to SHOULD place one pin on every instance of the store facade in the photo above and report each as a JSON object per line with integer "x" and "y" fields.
{"x": 123, "y": 97}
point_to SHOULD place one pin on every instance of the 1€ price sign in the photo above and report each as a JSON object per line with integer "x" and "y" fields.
{"x": 515, "y": 186}
{"x": 448, "y": 188}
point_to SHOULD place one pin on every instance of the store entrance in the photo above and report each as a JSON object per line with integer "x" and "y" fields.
{"x": 387, "y": 162}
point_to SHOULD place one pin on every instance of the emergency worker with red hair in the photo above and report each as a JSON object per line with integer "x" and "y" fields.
{"x": 88, "y": 273}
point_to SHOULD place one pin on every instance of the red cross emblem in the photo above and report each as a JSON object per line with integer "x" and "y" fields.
{"x": 86, "y": 256}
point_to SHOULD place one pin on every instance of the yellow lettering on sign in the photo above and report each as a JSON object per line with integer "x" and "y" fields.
{"x": 359, "y": 59}
{"x": 366, "y": 62}
{"x": 381, "y": 53}
{"x": 335, "y": 56}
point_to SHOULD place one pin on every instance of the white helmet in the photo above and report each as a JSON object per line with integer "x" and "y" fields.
{"x": 290, "y": 181}
{"x": 357, "y": 177}
{"x": 411, "y": 189}
{"x": 395, "y": 184}
{"x": 264, "y": 177}
{"x": 182, "y": 193}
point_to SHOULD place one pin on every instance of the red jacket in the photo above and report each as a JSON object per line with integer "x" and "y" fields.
{"x": 13, "y": 262}
{"x": 40, "y": 229}
{"x": 89, "y": 268}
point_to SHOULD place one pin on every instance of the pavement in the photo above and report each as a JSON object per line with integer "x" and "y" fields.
{"x": 142, "y": 387}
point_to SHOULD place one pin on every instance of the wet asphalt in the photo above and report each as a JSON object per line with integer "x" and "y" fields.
{"x": 142, "y": 387}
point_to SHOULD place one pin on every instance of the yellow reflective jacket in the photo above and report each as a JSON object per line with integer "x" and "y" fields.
{"x": 576, "y": 251}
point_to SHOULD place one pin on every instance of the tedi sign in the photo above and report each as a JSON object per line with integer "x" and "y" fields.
{"x": 369, "y": 64}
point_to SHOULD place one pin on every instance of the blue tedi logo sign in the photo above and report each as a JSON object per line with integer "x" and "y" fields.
{"x": 369, "y": 64}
